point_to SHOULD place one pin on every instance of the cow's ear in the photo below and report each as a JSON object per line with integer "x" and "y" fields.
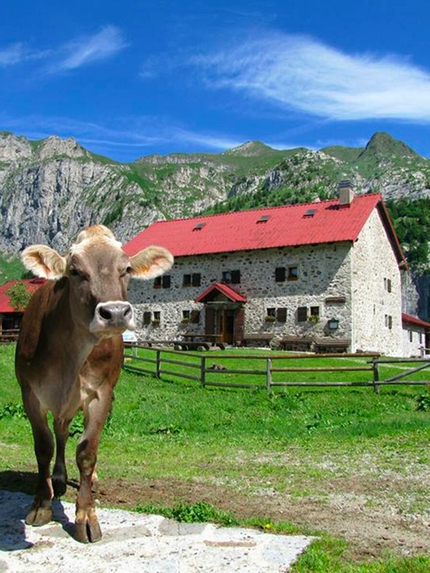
{"x": 150, "y": 263}
{"x": 44, "y": 262}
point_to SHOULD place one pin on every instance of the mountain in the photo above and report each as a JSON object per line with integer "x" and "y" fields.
{"x": 50, "y": 189}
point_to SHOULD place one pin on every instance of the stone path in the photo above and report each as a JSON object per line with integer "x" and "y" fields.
{"x": 135, "y": 543}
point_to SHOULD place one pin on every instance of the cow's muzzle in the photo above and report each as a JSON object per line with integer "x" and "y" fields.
{"x": 112, "y": 317}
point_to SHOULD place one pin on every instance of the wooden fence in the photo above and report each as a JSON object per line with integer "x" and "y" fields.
{"x": 164, "y": 361}
{"x": 8, "y": 336}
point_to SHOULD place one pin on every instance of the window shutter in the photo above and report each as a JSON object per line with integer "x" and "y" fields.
{"x": 302, "y": 313}
{"x": 196, "y": 279}
{"x": 166, "y": 281}
{"x": 195, "y": 316}
{"x": 280, "y": 274}
{"x": 146, "y": 318}
{"x": 281, "y": 314}
{"x": 235, "y": 277}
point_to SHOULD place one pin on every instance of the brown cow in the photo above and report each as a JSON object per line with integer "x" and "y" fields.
{"x": 69, "y": 356}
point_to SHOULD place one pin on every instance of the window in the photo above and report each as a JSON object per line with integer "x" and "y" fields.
{"x": 302, "y": 314}
{"x": 162, "y": 282}
{"x": 421, "y": 337}
{"x": 157, "y": 317}
{"x": 147, "y": 318}
{"x": 192, "y": 316}
{"x": 199, "y": 226}
{"x": 280, "y": 274}
{"x": 411, "y": 336}
{"x": 289, "y": 274}
{"x": 388, "y": 321}
{"x": 271, "y": 312}
{"x": 191, "y": 280}
{"x": 281, "y": 314}
{"x": 387, "y": 285}
{"x": 315, "y": 310}
{"x": 231, "y": 277}
{"x": 293, "y": 273}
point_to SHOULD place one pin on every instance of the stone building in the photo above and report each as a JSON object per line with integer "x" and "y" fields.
{"x": 324, "y": 276}
{"x": 415, "y": 336}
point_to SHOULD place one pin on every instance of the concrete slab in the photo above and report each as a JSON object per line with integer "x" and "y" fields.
{"x": 137, "y": 543}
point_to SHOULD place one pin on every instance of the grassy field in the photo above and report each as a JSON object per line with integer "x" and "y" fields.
{"x": 347, "y": 464}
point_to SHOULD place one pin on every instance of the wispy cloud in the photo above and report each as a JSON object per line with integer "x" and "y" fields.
{"x": 18, "y": 53}
{"x": 148, "y": 132}
{"x": 302, "y": 74}
{"x": 89, "y": 49}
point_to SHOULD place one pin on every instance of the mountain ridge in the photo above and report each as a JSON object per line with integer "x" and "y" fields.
{"x": 51, "y": 188}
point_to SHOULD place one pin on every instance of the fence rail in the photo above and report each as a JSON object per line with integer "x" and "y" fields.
{"x": 197, "y": 362}
{"x": 9, "y": 336}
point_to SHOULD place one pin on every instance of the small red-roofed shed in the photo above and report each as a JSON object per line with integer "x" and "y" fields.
{"x": 10, "y": 318}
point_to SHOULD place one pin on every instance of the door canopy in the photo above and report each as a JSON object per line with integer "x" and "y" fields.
{"x": 217, "y": 289}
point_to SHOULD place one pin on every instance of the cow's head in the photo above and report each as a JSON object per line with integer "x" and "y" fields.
{"x": 98, "y": 272}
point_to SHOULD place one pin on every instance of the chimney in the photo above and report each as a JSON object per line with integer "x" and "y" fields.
{"x": 346, "y": 192}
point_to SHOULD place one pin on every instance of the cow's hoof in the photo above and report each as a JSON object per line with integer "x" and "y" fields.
{"x": 40, "y": 513}
{"x": 59, "y": 484}
{"x": 87, "y": 528}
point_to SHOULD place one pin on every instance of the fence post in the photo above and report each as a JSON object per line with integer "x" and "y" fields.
{"x": 202, "y": 370}
{"x": 157, "y": 363}
{"x": 375, "y": 367}
{"x": 269, "y": 375}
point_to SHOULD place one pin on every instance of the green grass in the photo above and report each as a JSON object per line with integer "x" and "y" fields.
{"x": 295, "y": 442}
{"x": 11, "y": 268}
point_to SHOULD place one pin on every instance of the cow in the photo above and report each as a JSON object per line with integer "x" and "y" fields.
{"x": 69, "y": 356}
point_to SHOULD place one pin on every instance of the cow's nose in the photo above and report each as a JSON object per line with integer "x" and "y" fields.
{"x": 114, "y": 314}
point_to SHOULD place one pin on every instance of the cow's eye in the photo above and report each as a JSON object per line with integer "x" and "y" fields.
{"x": 75, "y": 273}
{"x": 126, "y": 272}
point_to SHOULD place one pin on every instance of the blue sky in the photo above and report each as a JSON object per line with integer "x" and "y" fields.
{"x": 132, "y": 78}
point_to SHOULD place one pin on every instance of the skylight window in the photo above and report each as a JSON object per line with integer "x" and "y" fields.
{"x": 310, "y": 213}
{"x": 199, "y": 226}
{"x": 263, "y": 219}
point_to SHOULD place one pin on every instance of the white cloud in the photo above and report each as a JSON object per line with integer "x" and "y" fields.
{"x": 206, "y": 140}
{"x": 148, "y": 132}
{"x": 18, "y": 53}
{"x": 300, "y": 73}
{"x": 89, "y": 49}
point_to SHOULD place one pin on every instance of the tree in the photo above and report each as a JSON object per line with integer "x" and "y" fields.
{"x": 19, "y": 296}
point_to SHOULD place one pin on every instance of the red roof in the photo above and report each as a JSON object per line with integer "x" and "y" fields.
{"x": 303, "y": 224}
{"x": 32, "y": 285}
{"x": 408, "y": 319}
{"x": 223, "y": 289}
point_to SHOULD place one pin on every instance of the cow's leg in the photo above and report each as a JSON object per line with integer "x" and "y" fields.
{"x": 95, "y": 413}
{"x": 41, "y": 511}
{"x": 59, "y": 475}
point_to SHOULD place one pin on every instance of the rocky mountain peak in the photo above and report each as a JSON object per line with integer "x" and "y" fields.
{"x": 53, "y": 146}
{"x": 382, "y": 144}
{"x": 249, "y": 149}
{"x": 13, "y": 148}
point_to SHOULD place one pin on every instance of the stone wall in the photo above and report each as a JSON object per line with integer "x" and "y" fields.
{"x": 376, "y": 295}
{"x": 413, "y": 340}
{"x": 323, "y": 281}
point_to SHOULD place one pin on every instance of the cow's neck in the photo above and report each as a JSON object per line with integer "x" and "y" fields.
{"x": 68, "y": 338}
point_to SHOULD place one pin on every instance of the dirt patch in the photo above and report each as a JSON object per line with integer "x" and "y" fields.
{"x": 370, "y": 531}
